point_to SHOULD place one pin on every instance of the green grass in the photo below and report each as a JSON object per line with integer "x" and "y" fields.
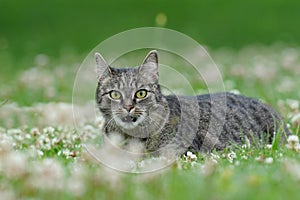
{"x": 248, "y": 175}
{"x": 42, "y": 156}
{"x": 41, "y": 47}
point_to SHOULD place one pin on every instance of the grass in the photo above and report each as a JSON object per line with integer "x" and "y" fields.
{"x": 42, "y": 156}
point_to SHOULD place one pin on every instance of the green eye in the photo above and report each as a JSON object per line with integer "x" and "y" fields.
{"x": 115, "y": 94}
{"x": 141, "y": 94}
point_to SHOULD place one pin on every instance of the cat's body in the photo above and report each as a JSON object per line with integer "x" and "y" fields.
{"x": 133, "y": 106}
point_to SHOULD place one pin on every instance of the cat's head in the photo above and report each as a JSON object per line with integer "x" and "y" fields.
{"x": 130, "y": 98}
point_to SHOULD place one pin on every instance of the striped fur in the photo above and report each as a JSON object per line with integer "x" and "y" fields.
{"x": 179, "y": 123}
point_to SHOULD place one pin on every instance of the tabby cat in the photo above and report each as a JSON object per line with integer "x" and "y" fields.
{"x": 133, "y": 106}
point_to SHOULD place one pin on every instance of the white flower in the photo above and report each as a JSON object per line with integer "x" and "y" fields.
{"x": 293, "y": 139}
{"x": 244, "y": 157}
{"x": 296, "y": 120}
{"x": 99, "y": 121}
{"x": 44, "y": 142}
{"x": 55, "y": 141}
{"x": 231, "y": 156}
{"x": 190, "y": 156}
{"x": 14, "y": 131}
{"x": 260, "y": 158}
{"x": 49, "y": 130}
{"x": 293, "y": 143}
{"x": 88, "y": 129}
{"x": 48, "y": 174}
{"x": 237, "y": 163}
{"x": 269, "y": 160}
{"x": 247, "y": 143}
{"x": 5, "y": 147}
{"x": 87, "y": 132}
{"x": 214, "y": 156}
{"x": 293, "y": 104}
{"x": 235, "y": 91}
{"x": 14, "y": 164}
{"x": 269, "y": 146}
{"x": 35, "y": 132}
{"x": 39, "y": 153}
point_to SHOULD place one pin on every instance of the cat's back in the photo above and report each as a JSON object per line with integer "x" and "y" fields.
{"x": 248, "y": 113}
{"x": 225, "y": 116}
{"x": 240, "y": 106}
{"x": 224, "y": 101}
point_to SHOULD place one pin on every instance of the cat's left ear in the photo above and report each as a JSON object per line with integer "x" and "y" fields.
{"x": 149, "y": 68}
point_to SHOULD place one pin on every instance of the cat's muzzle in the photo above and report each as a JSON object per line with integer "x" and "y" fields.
{"x": 129, "y": 119}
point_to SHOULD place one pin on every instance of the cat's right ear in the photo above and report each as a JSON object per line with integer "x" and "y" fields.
{"x": 103, "y": 68}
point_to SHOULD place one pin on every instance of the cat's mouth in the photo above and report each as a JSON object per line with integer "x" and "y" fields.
{"x": 128, "y": 119}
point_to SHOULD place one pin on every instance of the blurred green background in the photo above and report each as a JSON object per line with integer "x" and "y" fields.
{"x": 50, "y": 27}
{"x": 63, "y": 32}
{"x": 255, "y": 44}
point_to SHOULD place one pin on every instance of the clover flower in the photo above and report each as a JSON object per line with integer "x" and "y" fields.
{"x": 49, "y": 130}
{"x": 231, "y": 156}
{"x": 296, "y": 120}
{"x": 247, "y": 143}
{"x": 293, "y": 104}
{"x": 47, "y": 174}
{"x": 269, "y": 160}
{"x": 14, "y": 165}
{"x": 269, "y": 146}
{"x": 293, "y": 143}
{"x": 214, "y": 157}
{"x": 263, "y": 159}
{"x": 190, "y": 157}
{"x": 244, "y": 157}
{"x": 187, "y": 161}
{"x": 6, "y": 146}
{"x": 260, "y": 158}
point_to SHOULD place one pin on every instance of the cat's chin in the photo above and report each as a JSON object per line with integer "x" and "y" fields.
{"x": 127, "y": 124}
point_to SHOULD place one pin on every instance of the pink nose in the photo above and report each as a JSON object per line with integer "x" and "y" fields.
{"x": 128, "y": 107}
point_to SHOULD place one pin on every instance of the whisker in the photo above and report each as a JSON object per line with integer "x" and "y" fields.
{"x": 154, "y": 122}
{"x": 158, "y": 116}
{"x": 109, "y": 123}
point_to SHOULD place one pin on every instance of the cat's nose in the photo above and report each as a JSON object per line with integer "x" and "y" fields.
{"x": 128, "y": 107}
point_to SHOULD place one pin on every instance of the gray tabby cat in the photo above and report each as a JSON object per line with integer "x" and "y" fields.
{"x": 132, "y": 104}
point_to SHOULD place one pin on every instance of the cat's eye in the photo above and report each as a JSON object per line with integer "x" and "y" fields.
{"x": 115, "y": 94}
{"x": 141, "y": 94}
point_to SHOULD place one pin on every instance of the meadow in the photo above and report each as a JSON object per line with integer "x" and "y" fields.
{"x": 43, "y": 157}
{"x": 43, "y": 153}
